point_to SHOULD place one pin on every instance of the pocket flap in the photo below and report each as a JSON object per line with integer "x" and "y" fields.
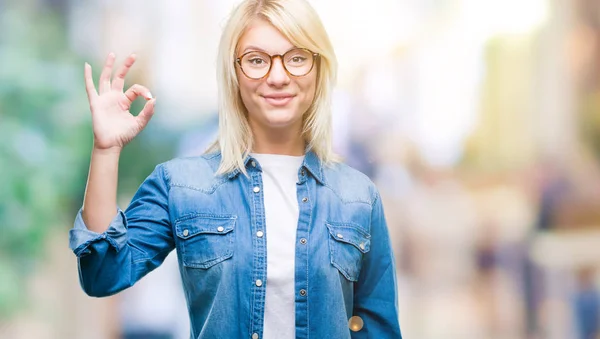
{"x": 188, "y": 227}
{"x": 351, "y": 234}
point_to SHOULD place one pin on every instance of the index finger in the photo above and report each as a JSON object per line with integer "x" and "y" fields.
{"x": 89, "y": 82}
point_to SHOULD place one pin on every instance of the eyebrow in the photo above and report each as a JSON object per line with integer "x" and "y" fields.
{"x": 253, "y": 48}
{"x": 258, "y": 49}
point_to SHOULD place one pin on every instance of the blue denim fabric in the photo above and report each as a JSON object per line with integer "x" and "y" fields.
{"x": 344, "y": 261}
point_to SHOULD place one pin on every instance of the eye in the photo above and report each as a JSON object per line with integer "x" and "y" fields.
{"x": 256, "y": 61}
{"x": 298, "y": 59}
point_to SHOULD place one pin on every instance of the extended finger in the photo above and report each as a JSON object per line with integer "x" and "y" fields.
{"x": 89, "y": 82}
{"x": 119, "y": 80}
{"x": 104, "y": 84}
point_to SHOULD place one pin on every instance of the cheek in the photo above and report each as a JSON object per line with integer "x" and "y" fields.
{"x": 308, "y": 89}
{"x": 247, "y": 90}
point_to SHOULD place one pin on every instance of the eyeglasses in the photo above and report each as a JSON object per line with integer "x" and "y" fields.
{"x": 297, "y": 62}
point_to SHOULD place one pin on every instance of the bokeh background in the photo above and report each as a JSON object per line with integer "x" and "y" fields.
{"x": 479, "y": 120}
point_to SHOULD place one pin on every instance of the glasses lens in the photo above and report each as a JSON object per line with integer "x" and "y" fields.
{"x": 255, "y": 64}
{"x": 298, "y": 61}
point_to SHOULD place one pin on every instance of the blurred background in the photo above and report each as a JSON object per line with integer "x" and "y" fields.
{"x": 478, "y": 119}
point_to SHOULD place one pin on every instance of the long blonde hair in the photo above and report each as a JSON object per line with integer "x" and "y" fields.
{"x": 300, "y": 24}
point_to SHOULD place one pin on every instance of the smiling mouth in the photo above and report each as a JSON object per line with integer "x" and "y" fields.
{"x": 278, "y": 100}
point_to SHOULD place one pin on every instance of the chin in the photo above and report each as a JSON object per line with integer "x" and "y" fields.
{"x": 280, "y": 123}
{"x": 281, "y": 118}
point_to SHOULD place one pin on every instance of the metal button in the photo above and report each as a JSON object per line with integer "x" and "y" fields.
{"x": 355, "y": 323}
{"x": 253, "y": 163}
{"x": 305, "y": 199}
{"x": 259, "y": 234}
{"x": 339, "y": 235}
{"x": 362, "y": 246}
{"x": 303, "y": 172}
{"x": 220, "y": 229}
{"x": 303, "y": 292}
{"x": 303, "y": 241}
{"x": 254, "y": 335}
{"x": 256, "y": 189}
{"x": 259, "y": 283}
{"x": 186, "y": 233}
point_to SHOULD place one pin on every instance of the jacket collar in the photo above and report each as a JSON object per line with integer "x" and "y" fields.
{"x": 311, "y": 162}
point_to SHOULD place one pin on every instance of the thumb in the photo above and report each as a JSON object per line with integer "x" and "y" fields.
{"x": 146, "y": 113}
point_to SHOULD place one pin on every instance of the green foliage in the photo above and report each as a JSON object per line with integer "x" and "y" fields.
{"x": 45, "y": 143}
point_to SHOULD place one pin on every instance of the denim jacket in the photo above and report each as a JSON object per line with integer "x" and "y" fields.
{"x": 344, "y": 261}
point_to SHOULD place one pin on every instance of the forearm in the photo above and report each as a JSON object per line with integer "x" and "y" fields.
{"x": 376, "y": 304}
{"x": 375, "y": 294}
{"x": 132, "y": 243}
{"x": 100, "y": 201}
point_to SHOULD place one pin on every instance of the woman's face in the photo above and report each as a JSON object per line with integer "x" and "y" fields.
{"x": 278, "y": 100}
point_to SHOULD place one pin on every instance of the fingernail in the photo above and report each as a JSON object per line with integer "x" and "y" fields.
{"x": 149, "y": 95}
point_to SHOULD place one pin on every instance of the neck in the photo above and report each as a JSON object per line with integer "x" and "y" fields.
{"x": 278, "y": 141}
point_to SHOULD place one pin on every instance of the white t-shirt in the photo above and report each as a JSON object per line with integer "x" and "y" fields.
{"x": 280, "y": 174}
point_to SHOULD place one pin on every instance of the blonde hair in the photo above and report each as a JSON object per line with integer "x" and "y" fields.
{"x": 300, "y": 24}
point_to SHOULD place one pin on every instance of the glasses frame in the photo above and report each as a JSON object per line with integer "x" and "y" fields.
{"x": 238, "y": 60}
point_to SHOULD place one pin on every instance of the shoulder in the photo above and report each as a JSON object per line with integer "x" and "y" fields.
{"x": 350, "y": 184}
{"x": 193, "y": 172}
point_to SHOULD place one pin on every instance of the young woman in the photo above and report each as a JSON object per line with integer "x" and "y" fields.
{"x": 275, "y": 237}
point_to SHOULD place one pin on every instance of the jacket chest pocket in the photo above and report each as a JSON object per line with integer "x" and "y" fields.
{"x": 347, "y": 244}
{"x": 205, "y": 240}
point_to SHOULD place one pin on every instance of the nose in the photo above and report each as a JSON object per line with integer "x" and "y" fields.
{"x": 278, "y": 76}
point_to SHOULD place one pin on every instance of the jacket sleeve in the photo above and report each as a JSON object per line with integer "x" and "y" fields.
{"x": 375, "y": 292}
{"x": 136, "y": 241}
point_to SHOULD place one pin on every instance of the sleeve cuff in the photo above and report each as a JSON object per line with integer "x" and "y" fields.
{"x": 81, "y": 239}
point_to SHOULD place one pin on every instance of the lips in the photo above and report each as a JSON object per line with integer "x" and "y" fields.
{"x": 278, "y": 99}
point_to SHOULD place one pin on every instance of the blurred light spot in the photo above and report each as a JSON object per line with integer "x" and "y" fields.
{"x": 509, "y": 16}
{"x": 355, "y": 323}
